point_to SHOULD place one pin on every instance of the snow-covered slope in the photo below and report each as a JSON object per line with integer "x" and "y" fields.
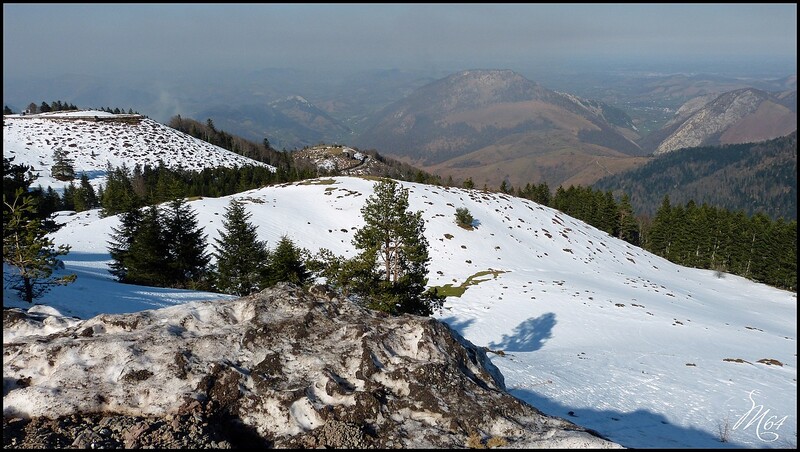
{"x": 648, "y": 353}
{"x": 94, "y": 138}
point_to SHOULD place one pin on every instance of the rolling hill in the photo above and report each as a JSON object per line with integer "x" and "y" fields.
{"x": 94, "y": 139}
{"x": 495, "y": 125}
{"x": 288, "y": 123}
{"x": 581, "y": 325}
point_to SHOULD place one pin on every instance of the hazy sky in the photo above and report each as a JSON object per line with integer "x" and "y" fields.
{"x": 117, "y": 38}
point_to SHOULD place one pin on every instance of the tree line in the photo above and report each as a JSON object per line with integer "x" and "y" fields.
{"x": 58, "y": 105}
{"x": 165, "y": 247}
{"x": 754, "y": 246}
{"x": 44, "y": 107}
{"x": 146, "y": 185}
{"x": 263, "y": 152}
{"x": 754, "y": 177}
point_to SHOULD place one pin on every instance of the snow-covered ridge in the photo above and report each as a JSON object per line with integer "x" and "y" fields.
{"x": 643, "y": 351}
{"x": 95, "y": 138}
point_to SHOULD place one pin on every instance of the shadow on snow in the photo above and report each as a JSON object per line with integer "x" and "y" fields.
{"x": 458, "y": 325}
{"x": 529, "y": 335}
{"x": 647, "y": 429}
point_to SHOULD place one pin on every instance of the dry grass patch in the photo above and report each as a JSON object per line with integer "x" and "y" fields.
{"x": 474, "y": 441}
{"x": 317, "y": 182}
{"x": 736, "y": 360}
{"x": 770, "y": 362}
{"x": 449, "y": 291}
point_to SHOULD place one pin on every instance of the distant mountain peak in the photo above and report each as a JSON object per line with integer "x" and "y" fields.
{"x": 737, "y": 116}
{"x": 488, "y": 74}
{"x": 501, "y": 122}
{"x": 297, "y": 98}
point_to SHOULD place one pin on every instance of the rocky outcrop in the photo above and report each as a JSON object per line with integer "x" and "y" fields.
{"x": 282, "y": 368}
{"x": 741, "y": 116}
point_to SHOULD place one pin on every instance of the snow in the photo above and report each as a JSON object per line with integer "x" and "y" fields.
{"x": 630, "y": 344}
{"x": 31, "y": 140}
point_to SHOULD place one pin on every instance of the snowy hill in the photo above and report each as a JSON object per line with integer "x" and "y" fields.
{"x": 584, "y": 326}
{"x": 94, "y": 138}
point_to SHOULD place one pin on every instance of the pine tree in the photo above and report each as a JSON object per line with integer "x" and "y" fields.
{"x": 286, "y": 264}
{"x": 78, "y": 200}
{"x": 786, "y": 261}
{"x": 87, "y": 194}
{"x": 468, "y": 183}
{"x": 394, "y": 238}
{"x": 464, "y": 218}
{"x": 63, "y": 168}
{"x": 146, "y": 260}
{"x": 16, "y": 177}
{"x": 242, "y": 259}
{"x": 69, "y": 197}
{"x": 121, "y": 240}
{"x": 26, "y": 248}
{"x": 118, "y": 194}
{"x": 7, "y": 111}
{"x": 541, "y": 194}
{"x": 51, "y": 202}
{"x": 628, "y": 226}
{"x": 187, "y": 260}
{"x": 610, "y": 213}
{"x": 662, "y": 229}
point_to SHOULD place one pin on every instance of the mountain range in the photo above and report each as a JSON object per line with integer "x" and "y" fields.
{"x": 490, "y": 125}
{"x": 753, "y": 177}
{"x": 497, "y": 125}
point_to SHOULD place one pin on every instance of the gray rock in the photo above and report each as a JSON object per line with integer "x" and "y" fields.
{"x": 282, "y": 368}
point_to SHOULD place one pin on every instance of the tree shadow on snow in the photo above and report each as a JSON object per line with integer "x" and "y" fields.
{"x": 458, "y": 325}
{"x": 636, "y": 429}
{"x": 529, "y": 335}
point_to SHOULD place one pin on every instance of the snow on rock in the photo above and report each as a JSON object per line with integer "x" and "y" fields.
{"x": 301, "y": 369}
